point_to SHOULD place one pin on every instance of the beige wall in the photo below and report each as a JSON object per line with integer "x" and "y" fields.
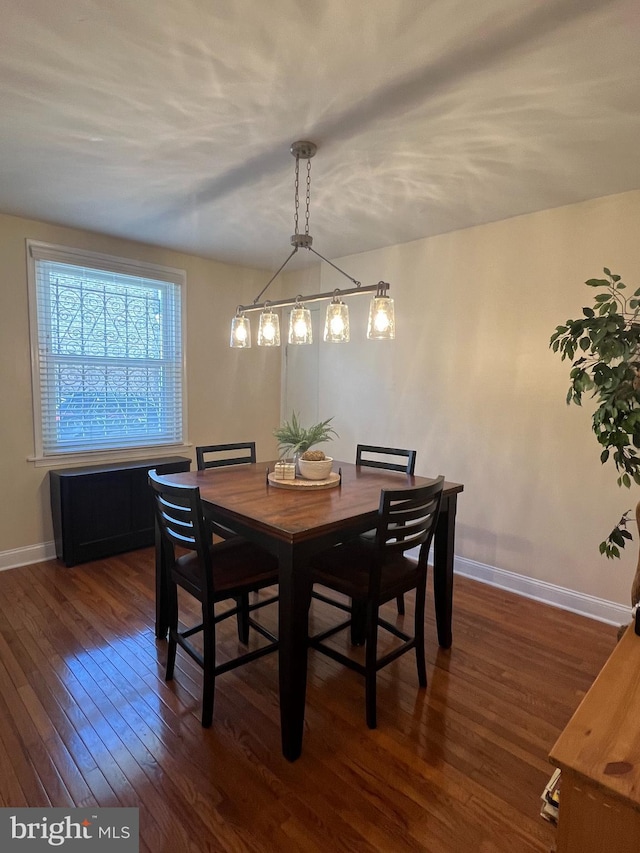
{"x": 231, "y": 395}
{"x": 471, "y": 383}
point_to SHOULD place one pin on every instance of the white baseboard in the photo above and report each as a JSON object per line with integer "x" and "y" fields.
{"x": 26, "y": 556}
{"x": 547, "y": 593}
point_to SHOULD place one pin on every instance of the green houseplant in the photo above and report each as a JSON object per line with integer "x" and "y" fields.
{"x": 296, "y": 440}
{"x": 603, "y": 347}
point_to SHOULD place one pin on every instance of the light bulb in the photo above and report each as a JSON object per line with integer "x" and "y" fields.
{"x": 268, "y": 331}
{"x": 336, "y": 325}
{"x": 381, "y": 321}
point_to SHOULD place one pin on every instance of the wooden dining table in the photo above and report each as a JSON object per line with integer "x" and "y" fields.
{"x": 293, "y": 524}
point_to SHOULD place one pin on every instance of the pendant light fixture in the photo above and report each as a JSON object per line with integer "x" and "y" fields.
{"x": 336, "y": 324}
{"x": 300, "y": 329}
{"x": 381, "y": 314}
{"x": 382, "y": 322}
{"x": 269, "y": 329}
{"x": 240, "y": 330}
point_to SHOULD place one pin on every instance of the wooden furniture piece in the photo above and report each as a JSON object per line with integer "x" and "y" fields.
{"x": 599, "y": 756}
{"x": 376, "y": 571}
{"x": 294, "y": 526}
{"x": 210, "y": 573}
{"x": 383, "y": 457}
{"x": 100, "y": 510}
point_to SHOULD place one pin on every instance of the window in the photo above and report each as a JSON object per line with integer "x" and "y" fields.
{"x": 106, "y": 351}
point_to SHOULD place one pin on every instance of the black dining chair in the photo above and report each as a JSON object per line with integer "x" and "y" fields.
{"x": 220, "y": 456}
{"x": 374, "y": 456}
{"x": 211, "y": 573}
{"x": 377, "y": 571}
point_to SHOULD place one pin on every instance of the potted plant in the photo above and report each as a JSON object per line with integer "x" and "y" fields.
{"x": 603, "y": 347}
{"x": 295, "y": 440}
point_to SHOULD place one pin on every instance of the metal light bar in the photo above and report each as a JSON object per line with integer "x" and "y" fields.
{"x": 381, "y": 289}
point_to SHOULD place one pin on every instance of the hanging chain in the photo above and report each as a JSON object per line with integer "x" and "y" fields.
{"x": 297, "y": 202}
{"x": 306, "y": 225}
{"x": 297, "y": 197}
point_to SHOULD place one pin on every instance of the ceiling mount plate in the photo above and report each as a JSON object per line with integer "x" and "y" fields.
{"x": 304, "y": 150}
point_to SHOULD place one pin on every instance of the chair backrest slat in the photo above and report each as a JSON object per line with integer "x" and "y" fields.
{"x": 177, "y": 522}
{"x": 224, "y": 456}
{"x": 365, "y": 451}
{"x": 407, "y": 518}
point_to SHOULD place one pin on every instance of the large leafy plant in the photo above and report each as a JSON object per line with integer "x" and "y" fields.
{"x": 293, "y": 438}
{"x": 604, "y": 349}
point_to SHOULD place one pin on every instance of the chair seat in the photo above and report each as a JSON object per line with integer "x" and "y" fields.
{"x": 347, "y": 568}
{"x": 236, "y": 563}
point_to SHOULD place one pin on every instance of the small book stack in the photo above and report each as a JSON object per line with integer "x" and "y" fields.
{"x": 551, "y": 798}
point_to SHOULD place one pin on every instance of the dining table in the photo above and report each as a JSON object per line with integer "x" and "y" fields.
{"x": 293, "y": 524}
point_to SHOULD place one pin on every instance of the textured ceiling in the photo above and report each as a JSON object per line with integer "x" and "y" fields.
{"x": 169, "y": 121}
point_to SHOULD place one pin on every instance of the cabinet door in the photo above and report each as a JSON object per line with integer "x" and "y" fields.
{"x": 100, "y": 512}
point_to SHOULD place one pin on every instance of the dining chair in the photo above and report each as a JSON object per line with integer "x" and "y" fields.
{"x": 383, "y": 457}
{"x": 374, "y": 456}
{"x": 222, "y": 457}
{"x": 211, "y": 573}
{"x": 377, "y": 571}
{"x": 222, "y": 454}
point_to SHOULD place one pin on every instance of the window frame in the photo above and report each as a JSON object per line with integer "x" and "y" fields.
{"x": 40, "y": 251}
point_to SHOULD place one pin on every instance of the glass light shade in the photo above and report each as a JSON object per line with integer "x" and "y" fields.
{"x": 336, "y": 326}
{"x": 300, "y": 331}
{"x": 240, "y": 332}
{"x": 382, "y": 323}
{"x": 269, "y": 329}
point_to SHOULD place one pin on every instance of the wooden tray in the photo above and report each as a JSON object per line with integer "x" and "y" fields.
{"x": 299, "y": 483}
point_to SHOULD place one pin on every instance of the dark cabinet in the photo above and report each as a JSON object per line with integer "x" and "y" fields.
{"x": 105, "y": 509}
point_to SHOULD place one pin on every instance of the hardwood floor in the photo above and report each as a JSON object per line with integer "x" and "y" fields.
{"x": 87, "y": 719}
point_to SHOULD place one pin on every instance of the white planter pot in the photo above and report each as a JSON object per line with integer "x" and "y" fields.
{"x": 311, "y": 470}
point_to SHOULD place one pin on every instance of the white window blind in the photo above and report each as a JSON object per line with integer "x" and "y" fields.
{"x": 108, "y": 367}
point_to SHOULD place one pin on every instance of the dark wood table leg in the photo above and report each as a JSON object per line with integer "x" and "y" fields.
{"x": 444, "y": 544}
{"x": 295, "y": 597}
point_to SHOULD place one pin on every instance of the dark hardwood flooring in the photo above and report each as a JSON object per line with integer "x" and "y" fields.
{"x": 86, "y": 719}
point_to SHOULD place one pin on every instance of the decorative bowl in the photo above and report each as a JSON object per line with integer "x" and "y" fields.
{"x": 312, "y": 470}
